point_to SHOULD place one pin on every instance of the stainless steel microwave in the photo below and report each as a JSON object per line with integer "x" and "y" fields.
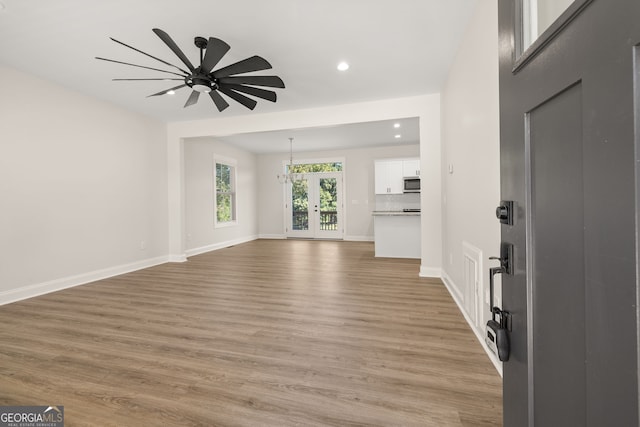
{"x": 411, "y": 184}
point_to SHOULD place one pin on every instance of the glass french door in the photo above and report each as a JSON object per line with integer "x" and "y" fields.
{"x": 314, "y": 206}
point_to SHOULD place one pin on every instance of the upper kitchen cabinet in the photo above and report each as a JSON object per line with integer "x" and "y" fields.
{"x": 411, "y": 167}
{"x": 388, "y": 176}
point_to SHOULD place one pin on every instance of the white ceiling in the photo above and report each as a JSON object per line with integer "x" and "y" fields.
{"x": 396, "y": 48}
{"x": 355, "y": 135}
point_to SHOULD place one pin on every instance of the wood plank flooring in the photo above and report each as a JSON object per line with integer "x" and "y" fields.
{"x": 267, "y": 333}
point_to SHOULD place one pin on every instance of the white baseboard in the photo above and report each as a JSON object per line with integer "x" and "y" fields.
{"x": 38, "y": 289}
{"x": 221, "y": 245}
{"x": 457, "y": 297}
{"x": 346, "y": 238}
{"x": 272, "y": 236}
{"x": 430, "y": 272}
{"x": 358, "y": 238}
{"x": 453, "y": 290}
{"x": 178, "y": 258}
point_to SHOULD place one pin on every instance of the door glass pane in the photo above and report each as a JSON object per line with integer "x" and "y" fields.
{"x": 300, "y": 205}
{"x": 328, "y": 203}
{"x": 539, "y": 15}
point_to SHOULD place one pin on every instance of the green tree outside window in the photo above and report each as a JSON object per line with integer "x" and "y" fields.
{"x": 225, "y": 193}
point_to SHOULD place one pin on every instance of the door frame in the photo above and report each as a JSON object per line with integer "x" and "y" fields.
{"x": 286, "y": 194}
{"x": 314, "y": 231}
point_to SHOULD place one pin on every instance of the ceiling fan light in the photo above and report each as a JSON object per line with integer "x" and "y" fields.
{"x": 201, "y": 88}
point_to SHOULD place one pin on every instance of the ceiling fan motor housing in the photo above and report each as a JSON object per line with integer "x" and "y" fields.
{"x": 200, "y": 42}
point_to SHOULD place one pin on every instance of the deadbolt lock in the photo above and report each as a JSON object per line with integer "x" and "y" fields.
{"x": 504, "y": 212}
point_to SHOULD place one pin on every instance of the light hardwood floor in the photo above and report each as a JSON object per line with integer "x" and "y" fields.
{"x": 267, "y": 333}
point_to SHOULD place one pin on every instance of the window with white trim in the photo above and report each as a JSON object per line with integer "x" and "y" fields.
{"x": 225, "y": 189}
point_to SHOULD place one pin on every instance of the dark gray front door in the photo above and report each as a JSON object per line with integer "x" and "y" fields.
{"x": 569, "y": 123}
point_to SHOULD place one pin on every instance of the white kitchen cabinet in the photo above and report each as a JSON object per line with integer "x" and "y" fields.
{"x": 411, "y": 167}
{"x": 388, "y": 177}
{"x": 389, "y": 174}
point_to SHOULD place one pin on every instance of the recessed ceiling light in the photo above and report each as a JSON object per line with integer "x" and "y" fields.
{"x": 343, "y": 66}
{"x": 396, "y": 125}
{"x": 398, "y": 136}
{"x": 171, "y": 92}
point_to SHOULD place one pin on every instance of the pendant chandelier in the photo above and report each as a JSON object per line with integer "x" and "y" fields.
{"x": 290, "y": 177}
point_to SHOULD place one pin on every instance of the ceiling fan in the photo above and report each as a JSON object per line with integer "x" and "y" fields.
{"x": 203, "y": 79}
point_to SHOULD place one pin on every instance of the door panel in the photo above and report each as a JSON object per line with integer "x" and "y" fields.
{"x": 568, "y": 162}
{"x": 299, "y": 209}
{"x": 314, "y": 210}
{"x": 328, "y": 219}
{"x": 558, "y": 293}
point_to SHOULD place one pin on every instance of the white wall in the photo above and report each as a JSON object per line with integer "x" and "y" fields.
{"x": 82, "y": 188}
{"x": 425, "y": 107}
{"x": 431, "y": 190}
{"x": 358, "y": 190}
{"x": 201, "y": 236}
{"x": 471, "y": 145}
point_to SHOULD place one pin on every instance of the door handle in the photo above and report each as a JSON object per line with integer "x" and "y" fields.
{"x": 505, "y": 258}
{"x": 497, "y": 338}
{"x": 506, "y": 267}
{"x": 492, "y": 274}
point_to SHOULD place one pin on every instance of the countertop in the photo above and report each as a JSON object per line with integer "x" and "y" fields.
{"x": 394, "y": 213}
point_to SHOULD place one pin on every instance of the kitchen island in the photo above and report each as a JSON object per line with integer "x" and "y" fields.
{"x": 397, "y": 234}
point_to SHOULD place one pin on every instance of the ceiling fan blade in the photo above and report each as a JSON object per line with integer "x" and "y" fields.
{"x": 150, "y": 56}
{"x": 164, "y": 92}
{"x": 247, "y": 102}
{"x": 255, "y": 63}
{"x": 174, "y": 47}
{"x": 131, "y": 80}
{"x": 216, "y": 49}
{"x": 269, "y": 95}
{"x": 218, "y": 100}
{"x": 139, "y": 66}
{"x": 269, "y": 81}
{"x": 193, "y": 98}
